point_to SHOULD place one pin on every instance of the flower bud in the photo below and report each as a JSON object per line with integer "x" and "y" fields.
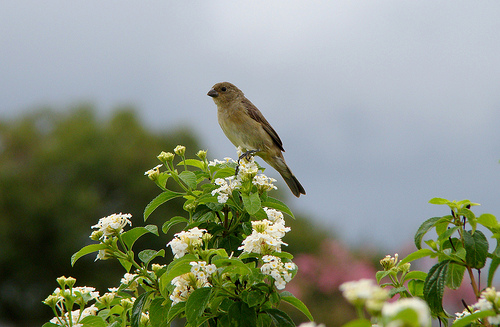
{"x": 61, "y": 281}
{"x": 70, "y": 281}
{"x": 127, "y": 303}
{"x": 96, "y": 235}
{"x": 389, "y": 262}
{"x": 490, "y": 294}
{"x": 180, "y": 150}
{"x": 106, "y": 299}
{"x": 166, "y": 157}
{"x": 405, "y": 267}
{"x": 144, "y": 319}
{"x": 156, "y": 267}
{"x": 51, "y": 300}
{"x": 202, "y": 154}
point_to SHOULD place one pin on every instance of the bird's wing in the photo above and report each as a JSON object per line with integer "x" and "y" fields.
{"x": 256, "y": 115}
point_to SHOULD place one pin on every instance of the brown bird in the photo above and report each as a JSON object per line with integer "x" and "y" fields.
{"x": 245, "y": 126}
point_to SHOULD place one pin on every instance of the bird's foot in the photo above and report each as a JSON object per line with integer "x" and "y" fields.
{"x": 247, "y": 155}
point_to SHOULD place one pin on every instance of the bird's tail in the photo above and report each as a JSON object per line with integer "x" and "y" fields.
{"x": 293, "y": 183}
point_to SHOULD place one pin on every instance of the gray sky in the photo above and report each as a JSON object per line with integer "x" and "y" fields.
{"x": 381, "y": 105}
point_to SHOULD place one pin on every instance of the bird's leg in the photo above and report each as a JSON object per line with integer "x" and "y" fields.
{"x": 245, "y": 155}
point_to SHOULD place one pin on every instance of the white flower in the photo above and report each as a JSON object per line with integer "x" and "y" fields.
{"x": 266, "y": 235}
{"x": 185, "y": 285}
{"x": 75, "y": 317}
{"x": 311, "y": 324}
{"x": 113, "y": 224}
{"x": 489, "y": 300}
{"x": 226, "y": 188}
{"x": 264, "y": 183}
{"x": 364, "y": 292}
{"x": 274, "y": 267}
{"x": 154, "y": 172}
{"x": 273, "y": 214}
{"x": 185, "y": 242}
{"x": 419, "y": 306}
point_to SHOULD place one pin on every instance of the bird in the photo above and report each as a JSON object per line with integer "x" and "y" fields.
{"x": 245, "y": 126}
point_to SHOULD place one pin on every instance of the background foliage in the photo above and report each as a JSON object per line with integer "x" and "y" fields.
{"x": 62, "y": 171}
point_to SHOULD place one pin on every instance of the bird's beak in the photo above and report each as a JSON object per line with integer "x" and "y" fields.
{"x": 213, "y": 93}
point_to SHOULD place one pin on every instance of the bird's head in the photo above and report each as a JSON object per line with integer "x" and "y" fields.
{"x": 224, "y": 92}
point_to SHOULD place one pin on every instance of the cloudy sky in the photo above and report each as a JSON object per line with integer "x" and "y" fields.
{"x": 381, "y": 105}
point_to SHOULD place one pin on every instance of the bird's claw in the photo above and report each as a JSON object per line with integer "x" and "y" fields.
{"x": 247, "y": 155}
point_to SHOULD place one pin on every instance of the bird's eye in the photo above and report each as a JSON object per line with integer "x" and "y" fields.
{"x": 223, "y": 89}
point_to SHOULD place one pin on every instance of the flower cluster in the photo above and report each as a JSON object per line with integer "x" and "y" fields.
{"x": 75, "y": 317}
{"x": 187, "y": 283}
{"x": 226, "y": 187}
{"x": 489, "y": 301}
{"x": 266, "y": 234}
{"x": 281, "y": 272}
{"x": 187, "y": 242}
{"x": 111, "y": 225}
{"x": 62, "y": 300}
{"x": 264, "y": 183}
{"x": 365, "y": 292}
{"x": 419, "y": 306}
{"x": 247, "y": 170}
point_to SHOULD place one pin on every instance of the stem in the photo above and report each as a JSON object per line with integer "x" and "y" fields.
{"x": 473, "y": 283}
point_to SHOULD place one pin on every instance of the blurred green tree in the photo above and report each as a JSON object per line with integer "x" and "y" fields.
{"x": 60, "y": 173}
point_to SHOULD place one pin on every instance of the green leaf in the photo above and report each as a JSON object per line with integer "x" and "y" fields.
{"x": 235, "y": 266}
{"x": 158, "y": 313}
{"x": 93, "y": 321}
{"x": 86, "y": 250}
{"x": 417, "y": 255}
{"x": 132, "y": 235}
{"x": 176, "y": 310}
{"x": 241, "y": 315}
{"x": 196, "y": 304}
{"x": 224, "y": 172}
{"x": 397, "y": 290}
{"x": 147, "y": 255}
{"x": 358, "y": 323}
{"x": 189, "y": 178}
{"x": 172, "y": 222}
{"x": 192, "y": 162}
{"x": 176, "y": 268}
{"x": 159, "y": 200}
{"x": 416, "y": 287}
{"x": 467, "y": 320}
{"x": 447, "y": 234}
{"x": 251, "y": 202}
{"x": 288, "y": 297}
{"x": 476, "y": 246}
{"x": 280, "y": 318}
{"x": 455, "y": 275}
{"x": 488, "y": 220}
{"x": 424, "y": 228}
{"x": 438, "y": 201}
{"x": 381, "y": 274}
{"x": 418, "y": 275}
{"x": 126, "y": 264}
{"x": 138, "y": 308}
{"x": 278, "y": 205}
{"x": 434, "y": 287}
{"x": 495, "y": 262}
